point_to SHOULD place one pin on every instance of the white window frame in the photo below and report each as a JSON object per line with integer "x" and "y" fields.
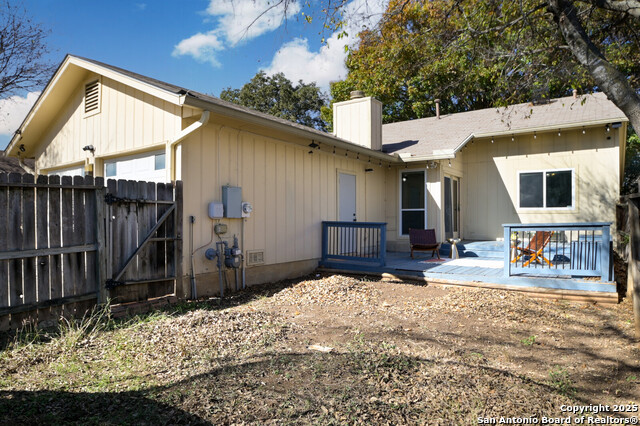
{"x": 544, "y": 189}
{"x": 400, "y": 209}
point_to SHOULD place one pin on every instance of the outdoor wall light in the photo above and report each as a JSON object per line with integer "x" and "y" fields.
{"x": 449, "y": 163}
{"x": 311, "y": 152}
{"x": 89, "y": 148}
{"x": 21, "y": 148}
{"x": 608, "y": 128}
{"x": 314, "y": 145}
{"x": 367, "y": 170}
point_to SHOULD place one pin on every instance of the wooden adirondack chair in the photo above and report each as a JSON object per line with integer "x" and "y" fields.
{"x": 535, "y": 249}
{"x": 424, "y": 240}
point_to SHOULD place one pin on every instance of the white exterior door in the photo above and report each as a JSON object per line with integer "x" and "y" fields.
{"x": 347, "y": 200}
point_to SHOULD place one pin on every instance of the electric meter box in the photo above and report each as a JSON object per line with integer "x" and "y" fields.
{"x": 216, "y": 210}
{"x": 232, "y": 201}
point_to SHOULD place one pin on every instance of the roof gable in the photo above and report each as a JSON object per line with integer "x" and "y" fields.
{"x": 70, "y": 74}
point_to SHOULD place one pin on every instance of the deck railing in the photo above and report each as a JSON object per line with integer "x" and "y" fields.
{"x": 362, "y": 243}
{"x": 559, "y": 249}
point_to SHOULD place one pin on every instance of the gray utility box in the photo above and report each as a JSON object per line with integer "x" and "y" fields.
{"x": 232, "y": 201}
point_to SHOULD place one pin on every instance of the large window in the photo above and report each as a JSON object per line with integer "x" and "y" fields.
{"x": 412, "y": 201}
{"x": 546, "y": 189}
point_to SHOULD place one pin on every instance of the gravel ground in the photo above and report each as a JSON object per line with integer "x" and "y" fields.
{"x": 328, "y": 349}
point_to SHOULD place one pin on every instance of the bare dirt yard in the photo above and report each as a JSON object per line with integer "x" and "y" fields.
{"x": 331, "y": 349}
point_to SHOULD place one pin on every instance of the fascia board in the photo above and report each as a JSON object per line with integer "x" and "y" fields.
{"x": 310, "y": 134}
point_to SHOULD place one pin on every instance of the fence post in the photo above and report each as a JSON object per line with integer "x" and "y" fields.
{"x": 605, "y": 255}
{"x": 634, "y": 260}
{"x": 101, "y": 207}
{"x": 383, "y": 244}
{"x": 325, "y": 241}
{"x": 507, "y": 251}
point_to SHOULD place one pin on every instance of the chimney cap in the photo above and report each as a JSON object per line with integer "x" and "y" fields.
{"x": 356, "y": 94}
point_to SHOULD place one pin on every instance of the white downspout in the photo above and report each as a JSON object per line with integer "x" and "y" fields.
{"x": 170, "y": 154}
{"x": 171, "y": 144}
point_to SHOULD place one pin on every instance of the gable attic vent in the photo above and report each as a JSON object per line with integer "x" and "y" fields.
{"x": 92, "y": 97}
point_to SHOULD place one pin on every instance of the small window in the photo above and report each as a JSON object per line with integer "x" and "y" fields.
{"x": 110, "y": 169}
{"x": 160, "y": 158}
{"x": 552, "y": 189}
{"x": 92, "y": 98}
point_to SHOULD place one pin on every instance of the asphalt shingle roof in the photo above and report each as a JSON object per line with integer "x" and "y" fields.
{"x": 429, "y": 136}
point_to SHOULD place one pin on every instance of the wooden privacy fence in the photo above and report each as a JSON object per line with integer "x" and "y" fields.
{"x": 68, "y": 243}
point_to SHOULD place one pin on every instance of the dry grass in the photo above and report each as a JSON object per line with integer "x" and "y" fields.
{"x": 402, "y": 354}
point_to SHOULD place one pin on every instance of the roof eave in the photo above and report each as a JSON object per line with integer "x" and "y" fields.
{"x": 296, "y": 130}
{"x": 168, "y": 96}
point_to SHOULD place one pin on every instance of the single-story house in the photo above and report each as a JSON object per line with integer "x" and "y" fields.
{"x": 463, "y": 174}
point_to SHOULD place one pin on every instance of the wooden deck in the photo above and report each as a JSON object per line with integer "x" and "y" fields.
{"x": 481, "y": 265}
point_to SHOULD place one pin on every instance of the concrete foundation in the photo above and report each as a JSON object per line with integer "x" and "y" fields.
{"x": 208, "y": 284}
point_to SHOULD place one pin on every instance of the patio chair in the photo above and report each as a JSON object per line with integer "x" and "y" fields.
{"x": 424, "y": 240}
{"x": 535, "y": 249}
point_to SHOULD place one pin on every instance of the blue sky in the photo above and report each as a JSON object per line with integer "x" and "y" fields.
{"x": 199, "y": 44}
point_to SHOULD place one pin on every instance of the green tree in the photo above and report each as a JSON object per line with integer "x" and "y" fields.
{"x": 632, "y": 164}
{"x": 276, "y": 95}
{"x": 475, "y": 54}
{"x": 505, "y": 50}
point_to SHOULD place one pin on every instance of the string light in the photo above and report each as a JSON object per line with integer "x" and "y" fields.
{"x": 535, "y": 136}
{"x": 512, "y": 138}
{"x": 449, "y": 163}
{"x": 583, "y": 131}
{"x": 491, "y": 140}
{"x": 559, "y": 133}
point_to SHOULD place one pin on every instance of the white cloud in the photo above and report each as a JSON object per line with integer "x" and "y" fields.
{"x": 13, "y": 110}
{"x": 243, "y": 20}
{"x": 202, "y": 47}
{"x": 236, "y": 21}
{"x": 298, "y": 62}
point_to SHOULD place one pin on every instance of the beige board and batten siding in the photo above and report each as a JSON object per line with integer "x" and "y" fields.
{"x": 490, "y": 195}
{"x": 129, "y": 121}
{"x": 434, "y": 202}
{"x": 291, "y": 191}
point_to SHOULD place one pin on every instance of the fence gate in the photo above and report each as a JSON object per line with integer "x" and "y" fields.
{"x": 143, "y": 239}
